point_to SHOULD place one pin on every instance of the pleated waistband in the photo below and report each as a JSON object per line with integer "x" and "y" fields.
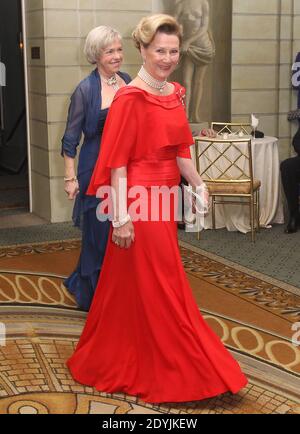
{"x": 153, "y": 172}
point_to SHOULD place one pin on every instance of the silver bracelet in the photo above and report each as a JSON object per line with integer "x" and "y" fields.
{"x": 120, "y": 223}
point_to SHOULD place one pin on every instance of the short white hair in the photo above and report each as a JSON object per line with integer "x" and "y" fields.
{"x": 97, "y": 40}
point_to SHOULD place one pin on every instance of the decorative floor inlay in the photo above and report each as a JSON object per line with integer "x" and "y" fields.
{"x": 42, "y": 327}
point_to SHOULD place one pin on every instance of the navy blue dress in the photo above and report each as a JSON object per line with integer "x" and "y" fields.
{"x": 85, "y": 116}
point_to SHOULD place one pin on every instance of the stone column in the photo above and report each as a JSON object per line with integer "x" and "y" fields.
{"x": 265, "y": 42}
{"x": 56, "y": 34}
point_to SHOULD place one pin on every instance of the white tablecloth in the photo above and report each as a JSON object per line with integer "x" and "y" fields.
{"x": 266, "y": 168}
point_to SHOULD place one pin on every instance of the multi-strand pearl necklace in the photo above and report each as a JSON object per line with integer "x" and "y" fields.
{"x": 112, "y": 81}
{"x": 152, "y": 82}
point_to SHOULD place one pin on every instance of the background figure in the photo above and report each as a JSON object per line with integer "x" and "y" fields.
{"x": 198, "y": 50}
{"x": 87, "y": 114}
{"x": 290, "y": 175}
{"x": 290, "y": 168}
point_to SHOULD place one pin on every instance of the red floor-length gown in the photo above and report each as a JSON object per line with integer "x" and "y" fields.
{"x": 144, "y": 334}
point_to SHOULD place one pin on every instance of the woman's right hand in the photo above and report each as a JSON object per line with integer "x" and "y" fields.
{"x": 124, "y": 236}
{"x": 72, "y": 189}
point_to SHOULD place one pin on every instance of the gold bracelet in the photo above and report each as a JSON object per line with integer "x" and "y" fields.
{"x": 71, "y": 179}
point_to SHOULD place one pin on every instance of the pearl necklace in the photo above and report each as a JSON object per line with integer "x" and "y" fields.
{"x": 112, "y": 81}
{"x": 152, "y": 82}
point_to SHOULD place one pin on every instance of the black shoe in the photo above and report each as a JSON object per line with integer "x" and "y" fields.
{"x": 293, "y": 224}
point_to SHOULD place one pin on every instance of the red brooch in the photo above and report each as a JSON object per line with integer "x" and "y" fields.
{"x": 181, "y": 95}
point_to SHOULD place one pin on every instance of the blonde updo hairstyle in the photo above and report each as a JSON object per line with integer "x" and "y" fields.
{"x": 148, "y": 27}
{"x": 97, "y": 40}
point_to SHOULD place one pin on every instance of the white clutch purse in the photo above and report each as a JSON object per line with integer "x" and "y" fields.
{"x": 196, "y": 207}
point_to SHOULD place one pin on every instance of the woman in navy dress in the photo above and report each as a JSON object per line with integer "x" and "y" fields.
{"x": 88, "y": 110}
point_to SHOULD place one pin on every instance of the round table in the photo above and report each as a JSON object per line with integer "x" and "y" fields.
{"x": 266, "y": 168}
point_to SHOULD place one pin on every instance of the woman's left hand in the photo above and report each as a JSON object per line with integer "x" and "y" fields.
{"x": 201, "y": 204}
{"x": 206, "y": 199}
{"x": 72, "y": 189}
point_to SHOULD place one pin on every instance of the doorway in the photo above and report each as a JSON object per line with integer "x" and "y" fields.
{"x": 14, "y": 187}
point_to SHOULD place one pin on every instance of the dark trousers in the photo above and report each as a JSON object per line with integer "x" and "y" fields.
{"x": 290, "y": 175}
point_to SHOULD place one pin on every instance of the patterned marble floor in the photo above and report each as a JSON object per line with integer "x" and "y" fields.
{"x": 274, "y": 254}
{"x": 252, "y": 314}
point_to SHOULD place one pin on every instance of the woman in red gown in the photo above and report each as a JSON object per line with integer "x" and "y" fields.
{"x": 144, "y": 334}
